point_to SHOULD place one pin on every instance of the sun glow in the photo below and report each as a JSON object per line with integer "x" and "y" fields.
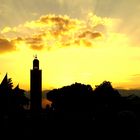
{"x": 70, "y": 50}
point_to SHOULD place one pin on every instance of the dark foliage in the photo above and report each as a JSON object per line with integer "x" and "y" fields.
{"x": 107, "y": 111}
{"x": 11, "y": 100}
{"x": 80, "y": 101}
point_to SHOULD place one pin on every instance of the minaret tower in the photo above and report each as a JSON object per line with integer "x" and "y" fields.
{"x": 36, "y": 86}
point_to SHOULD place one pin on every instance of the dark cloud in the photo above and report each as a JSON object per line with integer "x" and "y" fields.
{"x": 87, "y": 43}
{"x": 36, "y": 47}
{"x": 35, "y": 42}
{"x": 58, "y": 25}
{"x": 55, "y": 19}
{"x": 6, "y": 46}
{"x": 15, "y": 40}
{"x": 63, "y": 30}
{"x": 89, "y": 34}
{"x": 52, "y": 31}
{"x": 63, "y": 26}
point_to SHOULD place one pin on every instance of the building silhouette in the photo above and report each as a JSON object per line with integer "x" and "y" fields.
{"x": 36, "y": 86}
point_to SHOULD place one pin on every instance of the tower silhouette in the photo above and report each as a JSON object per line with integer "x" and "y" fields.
{"x": 36, "y": 86}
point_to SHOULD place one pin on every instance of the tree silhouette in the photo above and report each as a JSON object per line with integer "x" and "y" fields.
{"x": 106, "y": 100}
{"x": 71, "y": 101}
{"x": 5, "y": 92}
{"x": 105, "y": 89}
{"x": 11, "y": 100}
{"x": 82, "y": 102}
{"x": 19, "y": 100}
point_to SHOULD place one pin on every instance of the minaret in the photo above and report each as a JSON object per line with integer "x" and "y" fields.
{"x": 36, "y": 86}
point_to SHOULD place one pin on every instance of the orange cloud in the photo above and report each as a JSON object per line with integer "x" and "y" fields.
{"x": 35, "y": 42}
{"x": 6, "y": 45}
{"x": 37, "y": 47}
{"x": 83, "y": 49}
{"x": 56, "y": 19}
{"x": 51, "y": 31}
{"x": 89, "y": 34}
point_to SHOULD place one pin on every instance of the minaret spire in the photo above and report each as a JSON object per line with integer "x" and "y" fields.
{"x": 36, "y": 86}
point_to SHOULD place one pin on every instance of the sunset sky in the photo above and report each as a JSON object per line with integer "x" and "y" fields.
{"x": 86, "y": 41}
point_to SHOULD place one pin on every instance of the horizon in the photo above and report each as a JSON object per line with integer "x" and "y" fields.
{"x": 79, "y": 42}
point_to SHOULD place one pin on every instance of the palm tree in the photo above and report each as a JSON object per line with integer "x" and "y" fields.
{"x": 11, "y": 99}
{"x": 5, "y": 94}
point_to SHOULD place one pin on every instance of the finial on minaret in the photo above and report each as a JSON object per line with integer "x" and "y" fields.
{"x": 35, "y": 56}
{"x": 35, "y": 62}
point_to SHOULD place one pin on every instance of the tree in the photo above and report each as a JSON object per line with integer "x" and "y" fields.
{"x": 106, "y": 90}
{"x": 107, "y": 100}
{"x": 71, "y": 101}
{"x": 5, "y": 94}
{"x": 11, "y": 99}
{"x": 19, "y": 100}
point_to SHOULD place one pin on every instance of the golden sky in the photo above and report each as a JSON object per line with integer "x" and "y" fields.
{"x": 83, "y": 41}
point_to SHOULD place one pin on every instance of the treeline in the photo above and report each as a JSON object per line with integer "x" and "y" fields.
{"x": 75, "y": 102}
{"x": 81, "y": 102}
{"x": 102, "y": 106}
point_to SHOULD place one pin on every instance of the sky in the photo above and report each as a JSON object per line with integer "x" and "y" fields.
{"x": 80, "y": 41}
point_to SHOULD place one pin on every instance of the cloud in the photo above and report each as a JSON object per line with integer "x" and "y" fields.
{"x": 35, "y": 42}
{"x": 6, "y": 45}
{"x": 36, "y": 47}
{"x": 6, "y": 29}
{"x": 56, "y": 19}
{"x": 58, "y": 24}
{"x": 89, "y": 34}
{"x": 57, "y": 31}
{"x": 83, "y": 42}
